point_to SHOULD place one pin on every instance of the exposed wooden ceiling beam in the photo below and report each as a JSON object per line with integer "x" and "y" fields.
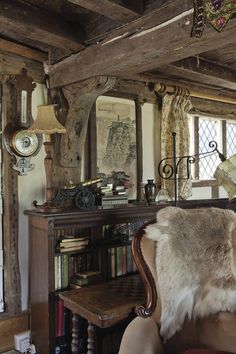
{"x": 18, "y": 19}
{"x": 164, "y": 43}
{"x": 202, "y": 71}
{"x": 182, "y": 82}
{"x": 13, "y": 64}
{"x": 117, "y": 10}
{"x": 151, "y": 5}
{"x": 160, "y": 14}
{"x": 98, "y": 28}
{"x": 22, "y": 50}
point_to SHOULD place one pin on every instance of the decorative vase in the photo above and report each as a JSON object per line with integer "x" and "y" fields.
{"x": 163, "y": 196}
{"x": 150, "y": 191}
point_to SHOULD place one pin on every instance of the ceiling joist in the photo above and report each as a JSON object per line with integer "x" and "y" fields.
{"x": 20, "y": 20}
{"x": 23, "y": 51}
{"x": 202, "y": 71}
{"x": 162, "y": 44}
{"x": 117, "y": 10}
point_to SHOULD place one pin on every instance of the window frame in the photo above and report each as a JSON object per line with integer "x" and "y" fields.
{"x": 222, "y": 145}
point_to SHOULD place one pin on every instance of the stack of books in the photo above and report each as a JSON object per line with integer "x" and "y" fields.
{"x": 70, "y": 244}
{"x": 113, "y": 196}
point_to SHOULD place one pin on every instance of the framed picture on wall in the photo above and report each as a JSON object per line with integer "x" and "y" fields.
{"x": 117, "y": 151}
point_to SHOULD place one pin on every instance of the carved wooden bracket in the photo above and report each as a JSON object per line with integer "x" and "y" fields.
{"x": 80, "y": 97}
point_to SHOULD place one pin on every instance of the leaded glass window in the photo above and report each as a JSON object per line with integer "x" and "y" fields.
{"x": 231, "y": 138}
{"x": 207, "y": 133}
{"x": 207, "y": 129}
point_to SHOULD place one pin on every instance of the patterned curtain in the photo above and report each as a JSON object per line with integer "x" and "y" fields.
{"x": 175, "y": 110}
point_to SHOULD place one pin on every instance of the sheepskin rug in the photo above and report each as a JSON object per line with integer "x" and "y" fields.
{"x": 195, "y": 262}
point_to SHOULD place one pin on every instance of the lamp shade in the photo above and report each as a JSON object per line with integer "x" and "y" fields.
{"x": 225, "y": 175}
{"x": 46, "y": 121}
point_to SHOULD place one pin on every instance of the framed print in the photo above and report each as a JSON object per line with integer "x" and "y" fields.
{"x": 116, "y": 141}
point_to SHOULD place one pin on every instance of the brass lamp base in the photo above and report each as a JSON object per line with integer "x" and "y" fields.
{"x": 47, "y": 208}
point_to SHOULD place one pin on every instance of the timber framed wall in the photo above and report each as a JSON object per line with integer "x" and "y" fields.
{"x": 13, "y": 320}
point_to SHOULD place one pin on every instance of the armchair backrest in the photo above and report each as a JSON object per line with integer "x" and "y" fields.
{"x": 214, "y": 332}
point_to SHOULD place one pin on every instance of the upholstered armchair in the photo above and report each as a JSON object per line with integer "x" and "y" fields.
{"x": 212, "y": 233}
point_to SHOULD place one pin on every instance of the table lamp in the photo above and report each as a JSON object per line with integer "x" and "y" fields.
{"x": 46, "y": 123}
{"x": 225, "y": 175}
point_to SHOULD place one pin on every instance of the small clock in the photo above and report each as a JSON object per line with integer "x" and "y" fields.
{"x": 24, "y": 143}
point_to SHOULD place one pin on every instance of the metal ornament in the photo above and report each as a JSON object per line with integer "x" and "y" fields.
{"x": 84, "y": 199}
{"x": 82, "y": 196}
{"x": 168, "y": 167}
{"x": 22, "y": 165}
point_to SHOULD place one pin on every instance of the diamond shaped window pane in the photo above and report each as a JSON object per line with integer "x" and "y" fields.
{"x": 207, "y": 133}
{"x": 231, "y": 138}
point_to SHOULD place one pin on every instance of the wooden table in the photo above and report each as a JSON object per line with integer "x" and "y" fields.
{"x": 103, "y": 305}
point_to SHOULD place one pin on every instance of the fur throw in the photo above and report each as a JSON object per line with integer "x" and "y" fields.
{"x": 195, "y": 264}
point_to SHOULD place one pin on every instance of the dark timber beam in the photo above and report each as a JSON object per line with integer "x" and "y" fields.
{"x": 22, "y": 50}
{"x": 202, "y": 71}
{"x": 18, "y": 19}
{"x": 98, "y": 27}
{"x": 118, "y": 10}
{"x": 223, "y": 93}
{"x": 166, "y": 41}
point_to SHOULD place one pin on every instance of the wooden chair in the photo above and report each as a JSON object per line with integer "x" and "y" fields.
{"x": 214, "y": 334}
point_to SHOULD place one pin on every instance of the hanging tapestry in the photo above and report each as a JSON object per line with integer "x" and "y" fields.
{"x": 215, "y": 12}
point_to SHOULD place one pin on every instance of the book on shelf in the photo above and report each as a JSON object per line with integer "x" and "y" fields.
{"x": 113, "y": 262}
{"x": 74, "y": 243}
{"x": 72, "y": 249}
{"x": 57, "y": 267}
{"x": 69, "y": 238}
{"x": 86, "y": 278}
{"x": 78, "y": 263}
{"x": 61, "y": 266}
{"x": 124, "y": 260}
{"x": 64, "y": 271}
{"x": 60, "y": 318}
{"x": 89, "y": 274}
{"x": 75, "y": 286}
{"x": 119, "y": 260}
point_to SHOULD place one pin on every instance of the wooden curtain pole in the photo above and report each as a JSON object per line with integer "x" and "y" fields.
{"x": 162, "y": 89}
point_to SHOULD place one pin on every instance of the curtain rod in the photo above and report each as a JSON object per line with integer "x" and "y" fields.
{"x": 162, "y": 89}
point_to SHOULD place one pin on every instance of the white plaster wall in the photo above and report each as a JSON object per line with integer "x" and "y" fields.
{"x": 30, "y": 187}
{"x": 148, "y": 114}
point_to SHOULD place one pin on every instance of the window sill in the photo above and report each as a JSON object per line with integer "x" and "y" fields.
{"x": 205, "y": 183}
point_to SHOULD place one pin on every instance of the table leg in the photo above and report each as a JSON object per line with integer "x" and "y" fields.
{"x": 75, "y": 334}
{"x": 90, "y": 346}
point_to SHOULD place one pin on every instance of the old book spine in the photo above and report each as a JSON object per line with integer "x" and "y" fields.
{"x": 119, "y": 259}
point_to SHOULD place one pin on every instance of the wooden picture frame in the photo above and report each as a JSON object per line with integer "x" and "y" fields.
{"x": 110, "y": 106}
